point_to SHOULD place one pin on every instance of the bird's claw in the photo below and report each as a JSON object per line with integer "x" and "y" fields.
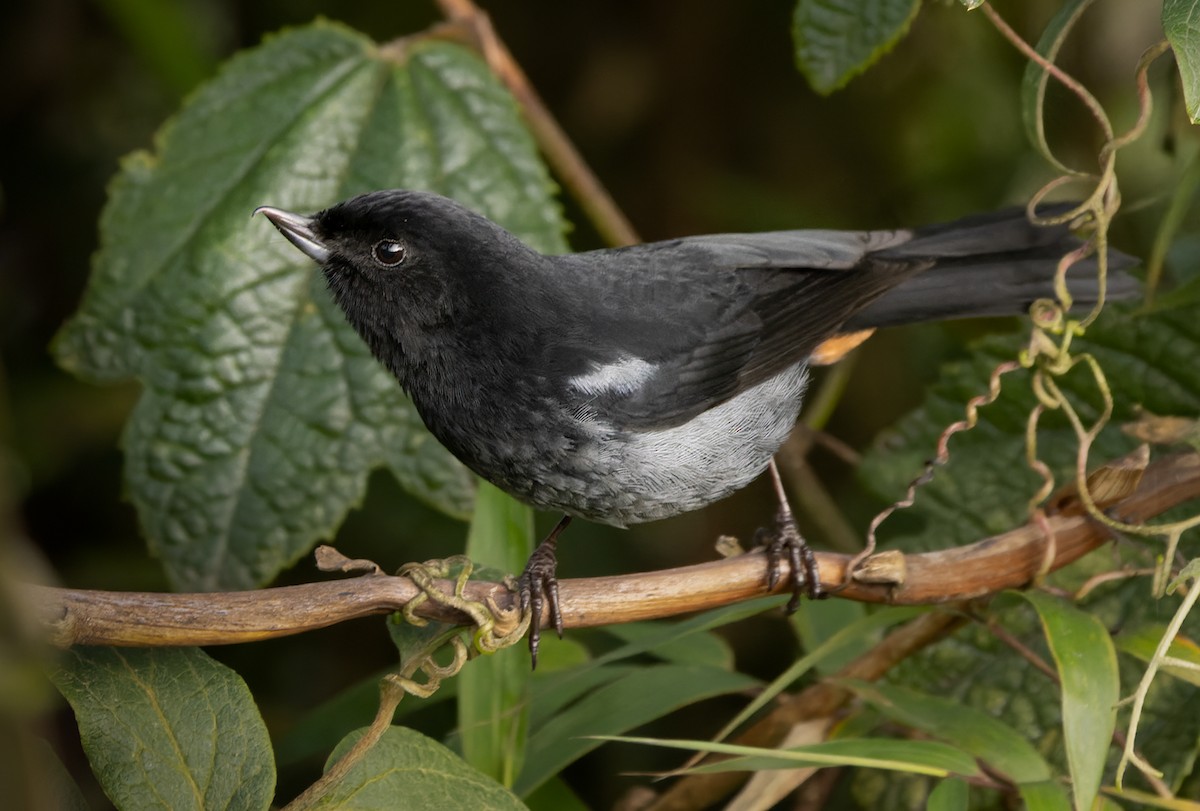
{"x": 785, "y": 539}
{"x": 537, "y": 589}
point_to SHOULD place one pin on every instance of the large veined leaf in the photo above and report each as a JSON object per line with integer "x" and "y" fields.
{"x": 263, "y": 412}
{"x": 168, "y": 728}
{"x": 1149, "y": 361}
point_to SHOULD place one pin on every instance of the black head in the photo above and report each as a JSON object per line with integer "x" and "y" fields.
{"x": 405, "y": 264}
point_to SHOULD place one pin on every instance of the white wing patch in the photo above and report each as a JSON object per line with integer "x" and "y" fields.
{"x": 624, "y": 376}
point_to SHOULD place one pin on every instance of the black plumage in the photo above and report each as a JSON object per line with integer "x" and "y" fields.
{"x": 632, "y": 384}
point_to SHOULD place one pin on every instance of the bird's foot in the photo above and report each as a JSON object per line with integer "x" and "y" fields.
{"x": 537, "y": 588}
{"x": 785, "y": 539}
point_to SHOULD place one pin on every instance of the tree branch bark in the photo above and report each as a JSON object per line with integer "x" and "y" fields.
{"x": 1010, "y": 560}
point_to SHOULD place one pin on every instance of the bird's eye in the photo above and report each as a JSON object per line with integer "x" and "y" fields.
{"x": 388, "y": 252}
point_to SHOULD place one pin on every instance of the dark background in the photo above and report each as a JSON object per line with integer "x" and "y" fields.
{"x": 694, "y": 117}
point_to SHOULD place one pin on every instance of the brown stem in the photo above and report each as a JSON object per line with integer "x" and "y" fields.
{"x": 1010, "y": 560}
{"x": 566, "y": 161}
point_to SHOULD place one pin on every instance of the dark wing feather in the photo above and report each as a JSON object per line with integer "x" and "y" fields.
{"x": 715, "y": 315}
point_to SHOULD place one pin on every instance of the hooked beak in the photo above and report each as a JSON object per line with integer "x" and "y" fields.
{"x": 298, "y": 230}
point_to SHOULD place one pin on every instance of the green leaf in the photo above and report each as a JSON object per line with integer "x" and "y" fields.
{"x": 1141, "y": 642}
{"x": 262, "y": 411}
{"x": 970, "y": 729}
{"x": 1045, "y": 796}
{"x": 410, "y": 771}
{"x": 1181, "y": 23}
{"x": 555, "y": 795}
{"x": 848, "y": 638}
{"x": 637, "y": 697}
{"x": 557, "y": 690}
{"x": 168, "y": 728}
{"x": 836, "y": 40}
{"x": 695, "y": 649}
{"x": 1145, "y": 799}
{"x": 670, "y": 633}
{"x": 817, "y": 621}
{"x": 165, "y": 38}
{"x": 950, "y": 794}
{"x": 1087, "y": 668}
{"x": 493, "y": 691}
{"x": 918, "y": 757}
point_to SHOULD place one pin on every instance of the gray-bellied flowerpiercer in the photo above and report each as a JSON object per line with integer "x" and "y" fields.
{"x": 632, "y": 384}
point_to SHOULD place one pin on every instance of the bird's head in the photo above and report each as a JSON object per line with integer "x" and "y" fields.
{"x": 399, "y": 262}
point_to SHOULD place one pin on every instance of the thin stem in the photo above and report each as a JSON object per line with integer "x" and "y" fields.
{"x": 560, "y": 152}
{"x": 1054, "y": 70}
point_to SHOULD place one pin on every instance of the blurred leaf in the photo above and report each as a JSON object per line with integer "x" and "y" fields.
{"x": 1033, "y": 85}
{"x": 848, "y": 638}
{"x": 635, "y": 698}
{"x": 1180, "y": 23}
{"x": 493, "y": 691}
{"x": 50, "y": 783}
{"x": 674, "y": 632}
{"x": 318, "y": 730}
{"x": 555, "y": 795}
{"x": 972, "y": 730}
{"x": 168, "y": 728}
{"x": 950, "y": 794}
{"x": 694, "y": 649}
{"x": 263, "y": 412}
{"x": 557, "y": 655}
{"x": 559, "y": 692}
{"x": 817, "y": 621}
{"x": 1087, "y": 668}
{"x": 919, "y": 757}
{"x": 1148, "y": 800}
{"x": 410, "y": 771}
{"x": 1141, "y": 642}
{"x": 1045, "y": 796}
{"x": 165, "y": 36}
{"x": 556, "y": 691}
{"x": 836, "y": 40}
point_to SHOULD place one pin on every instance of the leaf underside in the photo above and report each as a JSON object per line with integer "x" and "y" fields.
{"x": 836, "y": 40}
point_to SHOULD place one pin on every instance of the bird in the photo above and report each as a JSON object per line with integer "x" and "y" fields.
{"x": 631, "y": 384}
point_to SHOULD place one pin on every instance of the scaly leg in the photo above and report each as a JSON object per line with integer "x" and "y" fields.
{"x": 786, "y": 539}
{"x": 537, "y": 585}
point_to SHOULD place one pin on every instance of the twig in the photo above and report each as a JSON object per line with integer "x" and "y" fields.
{"x": 566, "y": 161}
{"x": 1002, "y": 633}
{"x": 1010, "y": 560}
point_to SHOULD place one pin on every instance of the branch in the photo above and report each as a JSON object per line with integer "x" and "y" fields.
{"x": 1010, "y": 560}
{"x": 560, "y": 152}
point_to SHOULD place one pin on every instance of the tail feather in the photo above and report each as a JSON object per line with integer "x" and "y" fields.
{"x": 991, "y": 265}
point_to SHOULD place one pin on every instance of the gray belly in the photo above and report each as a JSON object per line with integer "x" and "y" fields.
{"x": 618, "y": 477}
